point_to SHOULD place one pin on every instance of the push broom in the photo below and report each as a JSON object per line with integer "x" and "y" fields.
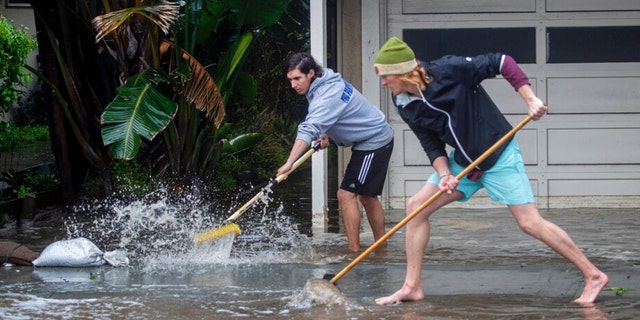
{"x": 334, "y": 278}
{"x": 228, "y": 226}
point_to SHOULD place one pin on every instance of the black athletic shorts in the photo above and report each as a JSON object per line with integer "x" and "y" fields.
{"x": 367, "y": 170}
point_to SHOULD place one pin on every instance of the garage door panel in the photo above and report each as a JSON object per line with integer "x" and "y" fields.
{"x": 593, "y": 95}
{"x": 591, "y": 5}
{"x": 413, "y": 154}
{"x": 462, "y": 6}
{"x": 589, "y": 187}
{"x": 593, "y": 146}
{"x": 505, "y": 97}
{"x": 528, "y": 142}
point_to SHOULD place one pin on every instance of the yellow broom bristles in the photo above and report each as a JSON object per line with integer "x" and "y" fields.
{"x": 217, "y": 233}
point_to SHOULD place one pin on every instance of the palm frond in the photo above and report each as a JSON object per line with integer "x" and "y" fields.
{"x": 163, "y": 15}
{"x": 200, "y": 89}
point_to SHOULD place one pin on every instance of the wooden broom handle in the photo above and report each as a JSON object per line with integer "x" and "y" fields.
{"x": 275, "y": 181}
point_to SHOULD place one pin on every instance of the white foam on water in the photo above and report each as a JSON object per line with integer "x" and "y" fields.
{"x": 321, "y": 293}
{"x": 26, "y": 306}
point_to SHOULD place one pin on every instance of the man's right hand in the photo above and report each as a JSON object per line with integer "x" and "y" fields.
{"x": 284, "y": 169}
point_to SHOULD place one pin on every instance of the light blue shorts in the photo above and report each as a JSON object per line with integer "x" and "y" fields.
{"x": 506, "y": 181}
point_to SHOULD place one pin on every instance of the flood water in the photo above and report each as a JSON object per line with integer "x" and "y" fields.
{"x": 479, "y": 265}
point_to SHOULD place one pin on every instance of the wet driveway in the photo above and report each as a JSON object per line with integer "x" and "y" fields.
{"x": 478, "y": 265}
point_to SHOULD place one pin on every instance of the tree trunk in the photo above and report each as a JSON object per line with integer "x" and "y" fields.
{"x": 57, "y": 128}
{"x": 83, "y": 79}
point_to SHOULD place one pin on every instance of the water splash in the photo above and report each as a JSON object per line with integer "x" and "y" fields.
{"x": 324, "y": 293}
{"x": 158, "y": 230}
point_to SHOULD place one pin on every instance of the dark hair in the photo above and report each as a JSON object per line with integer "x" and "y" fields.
{"x": 304, "y": 62}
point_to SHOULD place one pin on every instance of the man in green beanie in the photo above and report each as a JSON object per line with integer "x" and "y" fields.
{"x": 443, "y": 103}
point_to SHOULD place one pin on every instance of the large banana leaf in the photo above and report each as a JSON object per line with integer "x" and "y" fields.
{"x": 138, "y": 111}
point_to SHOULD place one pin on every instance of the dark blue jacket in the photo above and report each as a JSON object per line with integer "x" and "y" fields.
{"x": 458, "y": 111}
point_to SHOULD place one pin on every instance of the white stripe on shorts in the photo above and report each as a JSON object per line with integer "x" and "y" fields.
{"x": 364, "y": 170}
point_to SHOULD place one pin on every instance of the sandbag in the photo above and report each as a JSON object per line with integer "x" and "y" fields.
{"x": 16, "y": 253}
{"x": 77, "y": 252}
{"x": 116, "y": 258}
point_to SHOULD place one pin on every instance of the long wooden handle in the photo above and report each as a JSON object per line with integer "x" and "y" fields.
{"x": 273, "y": 182}
{"x": 298, "y": 162}
{"x": 415, "y": 212}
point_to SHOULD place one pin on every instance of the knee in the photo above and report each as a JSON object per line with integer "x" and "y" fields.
{"x": 344, "y": 195}
{"x": 530, "y": 227}
{"x": 412, "y": 204}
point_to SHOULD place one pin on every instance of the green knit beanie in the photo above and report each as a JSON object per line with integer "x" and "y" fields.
{"x": 395, "y": 57}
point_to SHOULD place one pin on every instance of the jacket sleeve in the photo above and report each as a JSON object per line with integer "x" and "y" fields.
{"x": 431, "y": 144}
{"x": 472, "y": 70}
{"x": 430, "y": 141}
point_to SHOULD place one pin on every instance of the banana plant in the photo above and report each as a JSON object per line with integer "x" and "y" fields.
{"x": 192, "y": 52}
{"x": 142, "y": 109}
{"x": 138, "y": 111}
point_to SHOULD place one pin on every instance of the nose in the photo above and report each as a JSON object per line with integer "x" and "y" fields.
{"x": 383, "y": 81}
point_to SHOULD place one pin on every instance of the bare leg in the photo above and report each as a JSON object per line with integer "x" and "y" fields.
{"x": 556, "y": 238}
{"x": 351, "y": 218}
{"x": 417, "y": 237}
{"x": 375, "y": 215}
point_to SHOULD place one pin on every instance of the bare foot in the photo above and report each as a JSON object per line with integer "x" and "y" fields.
{"x": 592, "y": 288}
{"x": 404, "y": 294}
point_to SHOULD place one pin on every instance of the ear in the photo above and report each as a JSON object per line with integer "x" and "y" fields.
{"x": 312, "y": 73}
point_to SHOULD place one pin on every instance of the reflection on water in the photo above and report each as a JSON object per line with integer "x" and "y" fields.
{"x": 478, "y": 266}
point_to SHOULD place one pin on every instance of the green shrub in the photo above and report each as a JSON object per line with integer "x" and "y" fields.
{"x": 12, "y": 136}
{"x": 15, "y": 46}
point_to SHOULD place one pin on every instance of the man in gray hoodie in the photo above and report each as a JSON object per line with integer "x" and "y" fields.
{"x": 339, "y": 113}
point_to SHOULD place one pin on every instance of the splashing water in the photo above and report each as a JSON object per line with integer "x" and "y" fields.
{"x": 323, "y": 293}
{"x": 157, "y": 232}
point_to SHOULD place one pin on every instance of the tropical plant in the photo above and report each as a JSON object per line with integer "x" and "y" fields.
{"x": 141, "y": 110}
{"x": 155, "y": 56}
{"x": 15, "y": 45}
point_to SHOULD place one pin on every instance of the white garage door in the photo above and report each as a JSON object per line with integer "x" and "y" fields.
{"x": 583, "y": 59}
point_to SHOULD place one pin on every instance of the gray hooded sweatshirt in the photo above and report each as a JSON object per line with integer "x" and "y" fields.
{"x": 339, "y": 110}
